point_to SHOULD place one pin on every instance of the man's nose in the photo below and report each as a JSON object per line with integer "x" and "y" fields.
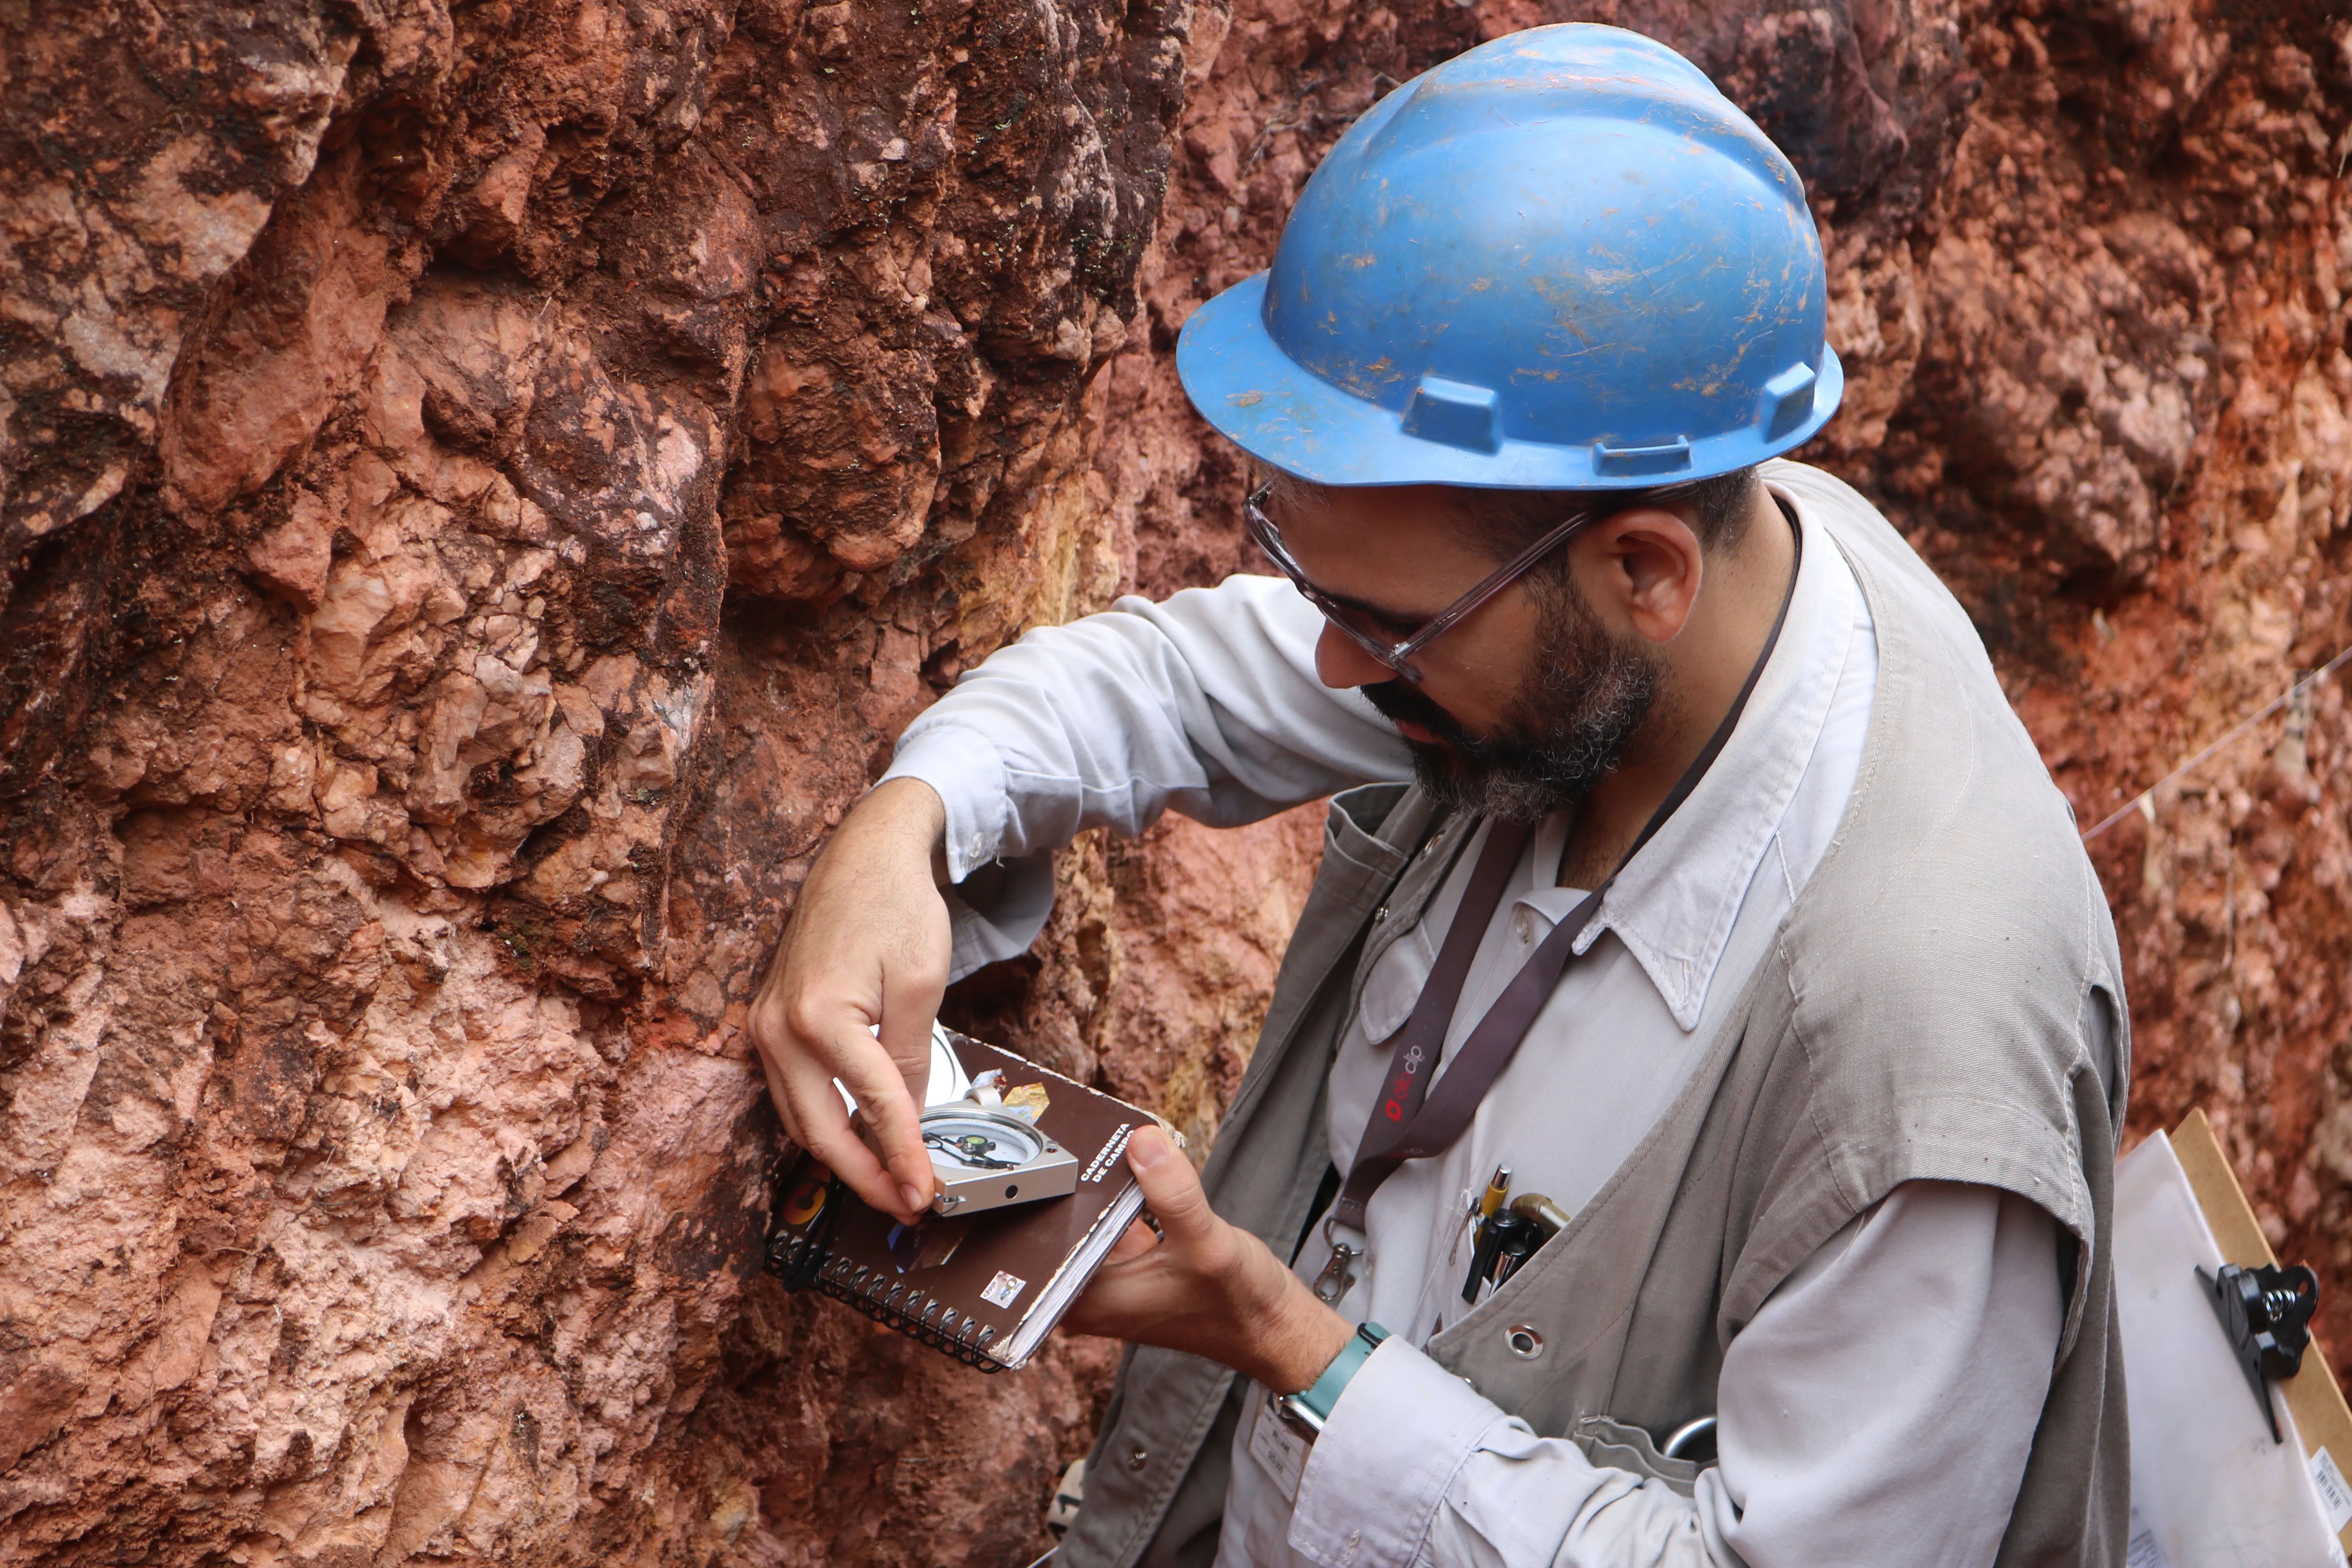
{"x": 1340, "y": 662}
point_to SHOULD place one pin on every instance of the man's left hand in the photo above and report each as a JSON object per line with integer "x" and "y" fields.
{"x": 1206, "y": 1286}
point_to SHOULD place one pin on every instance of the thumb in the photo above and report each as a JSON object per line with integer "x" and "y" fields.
{"x": 1171, "y": 1188}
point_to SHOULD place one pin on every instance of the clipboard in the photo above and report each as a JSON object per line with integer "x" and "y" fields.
{"x": 2322, "y": 1419}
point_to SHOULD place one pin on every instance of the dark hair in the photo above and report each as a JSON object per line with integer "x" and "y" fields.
{"x": 1504, "y": 522}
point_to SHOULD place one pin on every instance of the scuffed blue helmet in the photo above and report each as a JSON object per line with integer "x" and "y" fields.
{"x": 1561, "y": 260}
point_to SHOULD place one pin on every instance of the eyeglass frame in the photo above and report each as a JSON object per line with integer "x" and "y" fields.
{"x": 1398, "y": 656}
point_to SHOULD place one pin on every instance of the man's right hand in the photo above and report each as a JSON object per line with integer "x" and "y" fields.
{"x": 868, "y": 944}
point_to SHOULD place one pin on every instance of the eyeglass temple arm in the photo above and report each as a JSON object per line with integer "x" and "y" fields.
{"x": 1518, "y": 565}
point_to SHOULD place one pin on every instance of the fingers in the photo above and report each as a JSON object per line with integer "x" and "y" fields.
{"x": 800, "y": 1082}
{"x": 891, "y": 1114}
{"x": 867, "y": 944}
{"x": 912, "y": 984}
{"x": 813, "y": 1108}
{"x": 807, "y": 1042}
{"x": 1171, "y": 1188}
{"x": 1206, "y": 1288}
{"x": 1139, "y": 1239}
{"x": 914, "y": 976}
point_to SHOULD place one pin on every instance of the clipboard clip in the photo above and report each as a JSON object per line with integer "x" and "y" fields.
{"x": 2266, "y": 1311}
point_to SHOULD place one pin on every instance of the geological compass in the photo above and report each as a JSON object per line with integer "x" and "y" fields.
{"x": 983, "y": 1158}
{"x": 985, "y": 1154}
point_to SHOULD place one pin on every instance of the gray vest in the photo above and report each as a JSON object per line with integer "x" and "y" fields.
{"x": 1927, "y": 1011}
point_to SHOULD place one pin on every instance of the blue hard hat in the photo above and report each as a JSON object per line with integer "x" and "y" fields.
{"x": 1561, "y": 260}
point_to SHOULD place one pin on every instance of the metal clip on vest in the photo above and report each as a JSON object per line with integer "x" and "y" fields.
{"x": 1339, "y": 1275}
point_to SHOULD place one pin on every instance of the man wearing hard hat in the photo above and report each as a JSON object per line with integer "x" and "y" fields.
{"x": 1682, "y": 1128}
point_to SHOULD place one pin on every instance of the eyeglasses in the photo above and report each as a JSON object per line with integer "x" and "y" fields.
{"x": 1398, "y": 656}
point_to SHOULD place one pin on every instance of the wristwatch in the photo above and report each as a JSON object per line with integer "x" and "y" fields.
{"x": 1305, "y": 1413}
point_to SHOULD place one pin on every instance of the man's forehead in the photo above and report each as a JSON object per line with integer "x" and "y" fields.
{"x": 1472, "y": 514}
{"x": 1449, "y": 503}
{"x": 1398, "y": 553}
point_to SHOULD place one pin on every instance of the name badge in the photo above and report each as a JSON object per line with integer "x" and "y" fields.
{"x": 1279, "y": 1452}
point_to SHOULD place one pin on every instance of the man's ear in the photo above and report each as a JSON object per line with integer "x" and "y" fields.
{"x": 1650, "y": 564}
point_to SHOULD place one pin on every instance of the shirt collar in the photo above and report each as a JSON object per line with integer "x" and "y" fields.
{"x": 1673, "y": 904}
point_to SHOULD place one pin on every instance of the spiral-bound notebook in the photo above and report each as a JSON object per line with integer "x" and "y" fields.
{"x": 984, "y": 1288}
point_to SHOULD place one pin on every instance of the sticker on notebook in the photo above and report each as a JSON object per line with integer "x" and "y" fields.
{"x": 1004, "y": 1289}
{"x": 805, "y": 1201}
{"x": 1028, "y": 1102}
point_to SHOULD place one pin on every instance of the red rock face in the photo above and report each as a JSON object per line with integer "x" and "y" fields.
{"x": 483, "y": 485}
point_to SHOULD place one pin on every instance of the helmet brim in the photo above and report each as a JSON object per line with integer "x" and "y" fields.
{"x": 1258, "y": 397}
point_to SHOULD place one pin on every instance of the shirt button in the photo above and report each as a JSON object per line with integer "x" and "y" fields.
{"x": 1523, "y": 927}
{"x": 979, "y": 844}
{"x": 1137, "y": 1458}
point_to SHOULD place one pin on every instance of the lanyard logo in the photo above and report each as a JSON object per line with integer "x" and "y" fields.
{"x": 1401, "y": 1089}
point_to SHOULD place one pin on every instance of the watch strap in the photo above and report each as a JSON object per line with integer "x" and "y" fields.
{"x": 1306, "y": 1412}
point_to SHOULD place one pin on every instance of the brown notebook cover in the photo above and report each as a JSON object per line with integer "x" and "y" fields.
{"x": 984, "y": 1288}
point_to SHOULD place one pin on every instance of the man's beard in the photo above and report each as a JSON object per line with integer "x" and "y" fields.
{"x": 1565, "y": 732}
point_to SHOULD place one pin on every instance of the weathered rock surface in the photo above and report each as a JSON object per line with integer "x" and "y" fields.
{"x": 481, "y": 485}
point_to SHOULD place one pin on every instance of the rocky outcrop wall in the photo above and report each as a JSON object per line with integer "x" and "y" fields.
{"x": 484, "y": 484}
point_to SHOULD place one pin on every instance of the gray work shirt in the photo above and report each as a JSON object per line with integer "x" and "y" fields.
{"x": 1879, "y": 1408}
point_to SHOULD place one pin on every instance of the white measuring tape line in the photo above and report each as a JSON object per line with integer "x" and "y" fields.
{"x": 2146, "y": 798}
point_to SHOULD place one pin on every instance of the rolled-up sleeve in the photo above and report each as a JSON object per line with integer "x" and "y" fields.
{"x": 1879, "y": 1408}
{"x": 1207, "y": 705}
{"x": 1415, "y": 1467}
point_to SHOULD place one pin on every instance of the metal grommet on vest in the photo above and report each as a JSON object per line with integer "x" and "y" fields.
{"x": 1687, "y": 1436}
{"x": 1560, "y": 260}
{"x": 1523, "y": 1341}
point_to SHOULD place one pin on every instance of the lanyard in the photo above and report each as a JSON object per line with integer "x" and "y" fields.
{"x": 1413, "y": 1119}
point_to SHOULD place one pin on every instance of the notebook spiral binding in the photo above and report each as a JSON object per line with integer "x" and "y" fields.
{"x": 885, "y": 1300}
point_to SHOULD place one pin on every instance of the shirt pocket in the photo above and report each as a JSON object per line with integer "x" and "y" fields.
{"x": 1393, "y": 984}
